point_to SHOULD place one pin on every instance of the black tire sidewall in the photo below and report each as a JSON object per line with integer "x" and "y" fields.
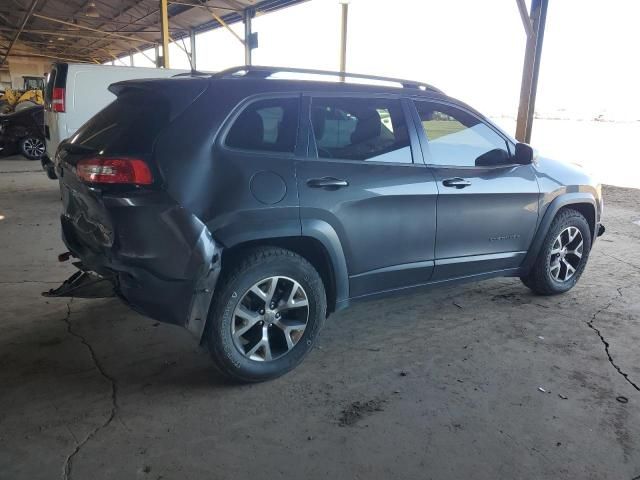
{"x": 569, "y": 218}
{"x": 51, "y": 173}
{"x": 227, "y": 356}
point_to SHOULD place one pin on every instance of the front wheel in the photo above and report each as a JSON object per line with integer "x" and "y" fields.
{"x": 266, "y": 316}
{"x": 32, "y": 147}
{"x": 563, "y": 255}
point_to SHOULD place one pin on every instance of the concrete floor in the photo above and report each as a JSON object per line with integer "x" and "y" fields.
{"x": 438, "y": 385}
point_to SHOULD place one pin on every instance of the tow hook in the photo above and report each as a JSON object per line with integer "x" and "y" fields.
{"x": 84, "y": 284}
{"x": 63, "y": 257}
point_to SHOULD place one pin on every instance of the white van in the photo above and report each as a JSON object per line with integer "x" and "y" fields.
{"x": 75, "y": 92}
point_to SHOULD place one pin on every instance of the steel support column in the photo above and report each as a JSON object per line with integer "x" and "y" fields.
{"x": 531, "y": 70}
{"x": 249, "y": 42}
{"x": 164, "y": 32}
{"x": 343, "y": 36}
{"x": 192, "y": 42}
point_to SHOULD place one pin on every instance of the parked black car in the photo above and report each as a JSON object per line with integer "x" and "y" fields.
{"x": 247, "y": 207}
{"x": 23, "y": 131}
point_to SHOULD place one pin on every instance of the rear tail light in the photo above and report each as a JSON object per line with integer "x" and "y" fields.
{"x": 57, "y": 100}
{"x": 131, "y": 171}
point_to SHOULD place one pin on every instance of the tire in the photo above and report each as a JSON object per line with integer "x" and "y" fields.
{"x": 51, "y": 173}
{"x": 48, "y": 167}
{"x": 232, "y": 352}
{"x": 32, "y": 147}
{"x": 551, "y": 272}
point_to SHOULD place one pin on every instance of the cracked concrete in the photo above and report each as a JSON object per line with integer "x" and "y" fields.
{"x": 107, "y": 393}
{"x": 66, "y": 470}
{"x": 606, "y": 343}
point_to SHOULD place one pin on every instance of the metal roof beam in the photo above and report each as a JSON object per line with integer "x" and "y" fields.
{"x": 524, "y": 16}
{"x": 22, "y": 25}
{"x": 200, "y": 5}
{"x": 75, "y": 33}
{"x": 82, "y": 27}
{"x": 54, "y": 56}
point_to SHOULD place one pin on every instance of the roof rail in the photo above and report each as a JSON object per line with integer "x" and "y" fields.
{"x": 265, "y": 72}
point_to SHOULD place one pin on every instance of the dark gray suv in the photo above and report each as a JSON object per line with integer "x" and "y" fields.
{"x": 248, "y": 205}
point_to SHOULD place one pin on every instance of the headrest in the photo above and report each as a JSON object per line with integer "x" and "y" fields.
{"x": 369, "y": 127}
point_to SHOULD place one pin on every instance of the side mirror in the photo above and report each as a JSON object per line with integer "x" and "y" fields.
{"x": 524, "y": 154}
{"x": 492, "y": 158}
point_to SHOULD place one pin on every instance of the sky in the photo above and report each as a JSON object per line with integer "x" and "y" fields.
{"x": 473, "y": 50}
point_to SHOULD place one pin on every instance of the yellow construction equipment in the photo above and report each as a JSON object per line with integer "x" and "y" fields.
{"x": 13, "y": 99}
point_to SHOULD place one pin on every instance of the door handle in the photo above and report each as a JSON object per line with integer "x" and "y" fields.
{"x": 329, "y": 183}
{"x": 456, "y": 182}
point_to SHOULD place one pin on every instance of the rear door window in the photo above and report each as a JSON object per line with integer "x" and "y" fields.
{"x": 365, "y": 129}
{"x": 269, "y": 125}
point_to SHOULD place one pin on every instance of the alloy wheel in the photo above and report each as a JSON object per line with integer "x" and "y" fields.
{"x": 566, "y": 254}
{"x": 34, "y": 147}
{"x": 270, "y": 318}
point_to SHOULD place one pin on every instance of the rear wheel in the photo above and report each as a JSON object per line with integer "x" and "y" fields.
{"x": 266, "y": 316}
{"x": 563, "y": 255}
{"x": 32, "y": 147}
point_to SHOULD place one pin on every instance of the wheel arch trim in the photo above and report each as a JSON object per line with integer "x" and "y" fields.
{"x": 327, "y": 236}
{"x": 318, "y": 230}
{"x": 564, "y": 200}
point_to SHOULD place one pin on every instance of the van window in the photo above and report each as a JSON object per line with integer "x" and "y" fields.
{"x": 269, "y": 125}
{"x": 367, "y": 129}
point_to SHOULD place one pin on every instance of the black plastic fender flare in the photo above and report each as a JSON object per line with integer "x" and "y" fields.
{"x": 316, "y": 229}
{"x": 556, "y": 204}
{"x": 327, "y": 236}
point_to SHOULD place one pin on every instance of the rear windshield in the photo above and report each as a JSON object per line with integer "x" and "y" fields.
{"x": 128, "y": 125}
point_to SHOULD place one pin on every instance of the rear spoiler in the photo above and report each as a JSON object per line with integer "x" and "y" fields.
{"x": 179, "y": 93}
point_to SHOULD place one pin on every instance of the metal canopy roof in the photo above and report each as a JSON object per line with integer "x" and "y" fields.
{"x": 98, "y": 31}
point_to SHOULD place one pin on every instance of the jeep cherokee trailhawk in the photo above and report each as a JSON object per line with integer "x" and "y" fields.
{"x": 248, "y": 205}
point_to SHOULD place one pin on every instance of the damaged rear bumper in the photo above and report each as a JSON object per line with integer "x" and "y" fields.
{"x": 159, "y": 258}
